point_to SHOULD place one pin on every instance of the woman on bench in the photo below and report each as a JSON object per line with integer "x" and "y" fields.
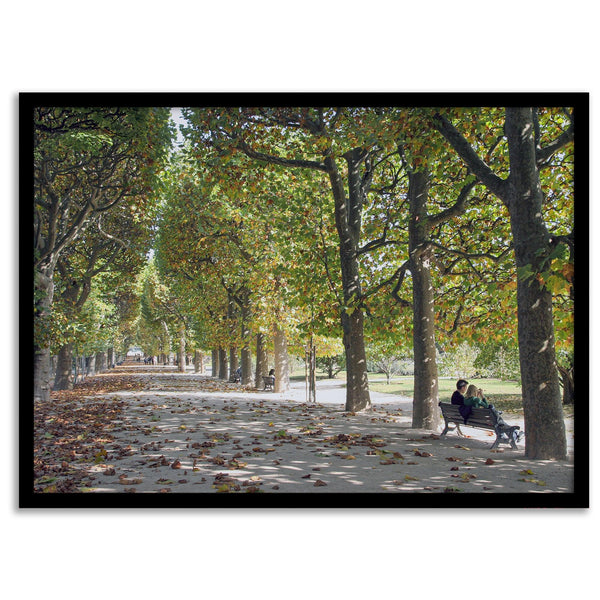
{"x": 474, "y": 397}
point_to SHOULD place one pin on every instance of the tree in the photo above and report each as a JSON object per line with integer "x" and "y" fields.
{"x": 86, "y": 162}
{"x": 529, "y": 153}
{"x": 340, "y": 144}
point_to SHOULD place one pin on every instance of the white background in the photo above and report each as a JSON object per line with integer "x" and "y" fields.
{"x": 275, "y": 46}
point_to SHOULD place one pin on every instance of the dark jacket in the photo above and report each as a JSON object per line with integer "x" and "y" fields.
{"x": 457, "y": 398}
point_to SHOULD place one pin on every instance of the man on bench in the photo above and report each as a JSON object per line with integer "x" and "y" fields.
{"x": 474, "y": 398}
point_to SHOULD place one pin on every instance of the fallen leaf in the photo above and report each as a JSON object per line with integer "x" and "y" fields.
{"x": 526, "y": 472}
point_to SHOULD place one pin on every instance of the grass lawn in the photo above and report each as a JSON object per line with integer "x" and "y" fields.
{"x": 505, "y": 395}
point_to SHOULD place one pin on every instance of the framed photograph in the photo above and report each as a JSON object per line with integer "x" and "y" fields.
{"x": 303, "y": 300}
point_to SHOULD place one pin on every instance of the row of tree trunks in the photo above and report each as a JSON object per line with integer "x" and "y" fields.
{"x": 94, "y": 364}
{"x": 224, "y": 367}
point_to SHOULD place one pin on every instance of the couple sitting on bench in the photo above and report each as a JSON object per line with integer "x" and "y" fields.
{"x": 468, "y": 397}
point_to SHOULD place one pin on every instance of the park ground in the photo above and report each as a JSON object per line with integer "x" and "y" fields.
{"x": 139, "y": 429}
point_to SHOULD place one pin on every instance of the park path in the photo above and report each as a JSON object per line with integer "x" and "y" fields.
{"x": 152, "y": 430}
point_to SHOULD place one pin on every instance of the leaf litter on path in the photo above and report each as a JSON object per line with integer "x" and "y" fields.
{"x": 142, "y": 428}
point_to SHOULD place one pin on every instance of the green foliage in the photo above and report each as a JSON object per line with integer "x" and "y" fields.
{"x": 459, "y": 363}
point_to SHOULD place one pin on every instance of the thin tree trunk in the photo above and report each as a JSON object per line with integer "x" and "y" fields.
{"x": 262, "y": 361}
{"x": 246, "y": 352}
{"x": 566, "y": 377}
{"x": 111, "y": 357}
{"x": 223, "y": 366}
{"x": 181, "y": 354}
{"x": 282, "y": 374}
{"x": 215, "y": 363}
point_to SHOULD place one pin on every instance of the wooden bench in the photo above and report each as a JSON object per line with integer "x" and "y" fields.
{"x": 480, "y": 418}
{"x": 269, "y": 382}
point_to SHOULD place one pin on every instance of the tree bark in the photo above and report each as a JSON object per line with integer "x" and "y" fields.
{"x": 198, "y": 362}
{"x": 544, "y": 420}
{"x": 44, "y": 291}
{"x": 282, "y": 373}
{"x": 215, "y": 363}
{"x": 223, "y": 366}
{"x": 111, "y": 357}
{"x": 100, "y": 362}
{"x": 246, "y": 352}
{"x": 90, "y": 365}
{"x": 262, "y": 361}
{"x": 348, "y": 218}
{"x": 181, "y": 350}
{"x": 425, "y": 400}
{"x": 566, "y": 377}
{"x": 63, "y": 380}
{"x": 234, "y": 361}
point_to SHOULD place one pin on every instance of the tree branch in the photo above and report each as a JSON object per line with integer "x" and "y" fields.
{"x": 496, "y": 184}
{"x": 278, "y": 160}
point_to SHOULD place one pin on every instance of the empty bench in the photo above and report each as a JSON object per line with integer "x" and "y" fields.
{"x": 269, "y": 382}
{"x": 480, "y": 418}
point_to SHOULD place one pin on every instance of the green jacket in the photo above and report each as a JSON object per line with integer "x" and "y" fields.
{"x": 476, "y": 402}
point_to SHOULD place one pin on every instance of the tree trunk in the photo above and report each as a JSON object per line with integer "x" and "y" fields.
{"x": 522, "y": 194}
{"x": 63, "y": 379}
{"x": 544, "y": 421}
{"x": 246, "y": 352}
{"x": 311, "y": 374}
{"x": 425, "y": 400}
{"x": 566, "y": 378}
{"x": 111, "y": 357}
{"x": 198, "y": 362}
{"x": 181, "y": 352}
{"x": 90, "y": 365}
{"x": 215, "y": 366}
{"x": 262, "y": 360}
{"x": 282, "y": 373}
{"x": 44, "y": 293}
{"x": 223, "y": 366}
{"x": 234, "y": 361}
{"x": 348, "y": 219}
{"x": 100, "y": 362}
